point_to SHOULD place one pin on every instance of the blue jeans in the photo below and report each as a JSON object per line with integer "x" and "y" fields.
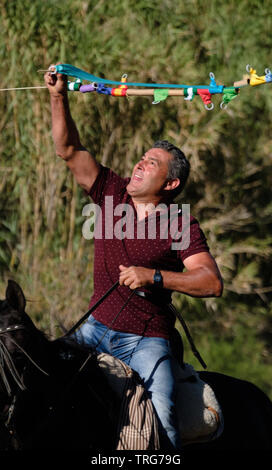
{"x": 150, "y": 357}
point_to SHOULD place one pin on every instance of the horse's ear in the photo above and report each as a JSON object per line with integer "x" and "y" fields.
{"x": 15, "y": 296}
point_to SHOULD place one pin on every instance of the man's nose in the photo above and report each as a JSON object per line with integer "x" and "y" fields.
{"x": 141, "y": 165}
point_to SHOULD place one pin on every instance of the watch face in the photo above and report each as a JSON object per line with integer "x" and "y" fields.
{"x": 158, "y": 278}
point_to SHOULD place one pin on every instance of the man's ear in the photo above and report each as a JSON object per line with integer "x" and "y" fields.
{"x": 172, "y": 184}
{"x": 15, "y": 296}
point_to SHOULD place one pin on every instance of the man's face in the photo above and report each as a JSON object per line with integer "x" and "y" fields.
{"x": 149, "y": 176}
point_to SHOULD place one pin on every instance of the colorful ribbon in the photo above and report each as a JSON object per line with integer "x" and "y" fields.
{"x": 160, "y": 95}
{"x": 255, "y": 79}
{"x": 205, "y": 95}
{"x": 74, "y": 86}
{"x": 161, "y": 90}
{"x": 268, "y": 76}
{"x": 189, "y": 93}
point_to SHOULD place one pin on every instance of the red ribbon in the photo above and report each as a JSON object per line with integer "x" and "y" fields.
{"x": 205, "y": 95}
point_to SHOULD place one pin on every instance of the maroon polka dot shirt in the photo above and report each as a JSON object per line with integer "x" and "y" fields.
{"x": 140, "y": 316}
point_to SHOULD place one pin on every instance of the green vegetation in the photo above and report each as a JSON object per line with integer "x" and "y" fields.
{"x": 41, "y": 245}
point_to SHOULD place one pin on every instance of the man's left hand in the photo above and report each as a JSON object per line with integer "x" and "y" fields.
{"x": 135, "y": 276}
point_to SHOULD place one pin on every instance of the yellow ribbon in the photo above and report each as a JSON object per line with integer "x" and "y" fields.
{"x": 255, "y": 79}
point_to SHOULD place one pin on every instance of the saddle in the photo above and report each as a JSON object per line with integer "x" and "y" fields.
{"x": 199, "y": 414}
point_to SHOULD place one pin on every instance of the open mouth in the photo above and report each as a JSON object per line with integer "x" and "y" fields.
{"x": 137, "y": 176}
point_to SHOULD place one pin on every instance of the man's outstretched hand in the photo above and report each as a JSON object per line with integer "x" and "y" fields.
{"x": 56, "y": 83}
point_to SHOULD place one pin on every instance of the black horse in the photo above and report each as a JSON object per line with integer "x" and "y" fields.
{"x": 46, "y": 401}
{"x": 49, "y": 401}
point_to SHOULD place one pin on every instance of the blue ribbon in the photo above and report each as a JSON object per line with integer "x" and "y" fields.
{"x": 101, "y": 88}
{"x": 214, "y": 88}
{"x": 72, "y": 71}
{"x": 268, "y": 77}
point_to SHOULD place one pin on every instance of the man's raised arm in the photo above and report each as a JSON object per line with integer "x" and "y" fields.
{"x": 65, "y": 134}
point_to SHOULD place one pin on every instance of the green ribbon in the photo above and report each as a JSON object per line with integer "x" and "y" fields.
{"x": 189, "y": 93}
{"x": 229, "y": 93}
{"x": 160, "y": 95}
{"x": 74, "y": 86}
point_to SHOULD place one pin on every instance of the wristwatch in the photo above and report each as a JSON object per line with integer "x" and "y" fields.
{"x": 158, "y": 280}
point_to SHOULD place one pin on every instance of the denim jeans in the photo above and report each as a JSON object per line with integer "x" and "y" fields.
{"x": 151, "y": 358}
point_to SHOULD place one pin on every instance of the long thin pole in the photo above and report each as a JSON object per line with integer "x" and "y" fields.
{"x": 23, "y": 88}
{"x": 150, "y": 92}
{"x": 241, "y": 83}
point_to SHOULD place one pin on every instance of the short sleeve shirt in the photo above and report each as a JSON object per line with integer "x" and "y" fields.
{"x": 163, "y": 240}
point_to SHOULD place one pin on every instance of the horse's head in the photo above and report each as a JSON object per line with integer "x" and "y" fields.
{"x": 18, "y": 337}
{"x": 49, "y": 390}
{"x": 20, "y": 345}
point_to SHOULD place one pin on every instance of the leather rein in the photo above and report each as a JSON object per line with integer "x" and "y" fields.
{"x": 161, "y": 301}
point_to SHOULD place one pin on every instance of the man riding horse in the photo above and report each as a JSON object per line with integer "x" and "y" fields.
{"x": 141, "y": 333}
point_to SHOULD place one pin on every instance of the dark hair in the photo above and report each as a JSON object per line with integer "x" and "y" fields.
{"x": 179, "y": 166}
